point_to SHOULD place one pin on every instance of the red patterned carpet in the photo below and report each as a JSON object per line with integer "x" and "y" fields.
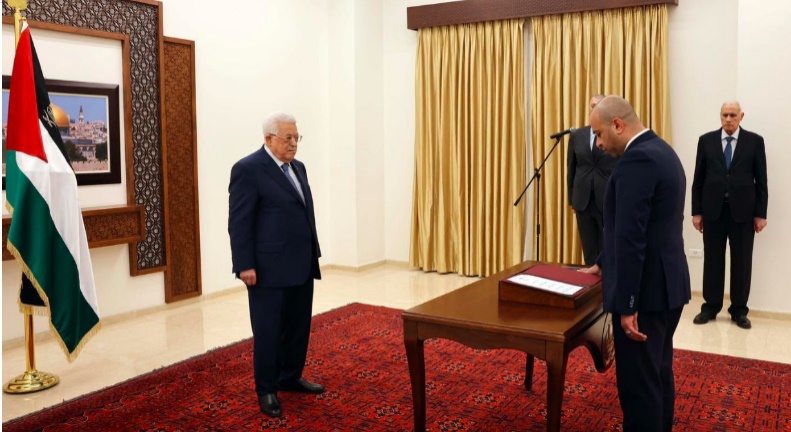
{"x": 357, "y": 352}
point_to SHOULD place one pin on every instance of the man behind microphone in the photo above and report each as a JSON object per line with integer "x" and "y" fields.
{"x": 588, "y": 171}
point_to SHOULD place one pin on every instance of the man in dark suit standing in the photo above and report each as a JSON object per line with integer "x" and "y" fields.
{"x": 645, "y": 277}
{"x": 588, "y": 171}
{"x": 276, "y": 253}
{"x": 729, "y": 200}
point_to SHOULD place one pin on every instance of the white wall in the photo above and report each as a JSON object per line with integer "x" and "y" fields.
{"x": 100, "y": 62}
{"x": 356, "y": 132}
{"x": 369, "y": 128}
{"x": 764, "y": 89}
{"x": 400, "y": 47}
{"x": 342, "y": 137}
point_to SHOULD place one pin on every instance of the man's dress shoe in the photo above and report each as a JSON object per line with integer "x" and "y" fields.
{"x": 703, "y": 318}
{"x": 302, "y": 386}
{"x": 742, "y": 322}
{"x": 269, "y": 405}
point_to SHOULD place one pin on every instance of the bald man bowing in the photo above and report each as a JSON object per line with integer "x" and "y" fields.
{"x": 645, "y": 277}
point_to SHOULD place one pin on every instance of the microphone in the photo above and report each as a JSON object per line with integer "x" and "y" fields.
{"x": 561, "y": 133}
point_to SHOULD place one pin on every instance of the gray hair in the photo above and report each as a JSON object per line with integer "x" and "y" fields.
{"x": 273, "y": 120}
{"x": 732, "y": 102}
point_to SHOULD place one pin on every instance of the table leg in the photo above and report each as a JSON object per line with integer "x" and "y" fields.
{"x": 556, "y": 371}
{"x": 529, "y": 372}
{"x": 417, "y": 373}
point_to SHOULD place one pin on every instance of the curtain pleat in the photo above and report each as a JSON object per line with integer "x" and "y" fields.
{"x": 470, "y": 148}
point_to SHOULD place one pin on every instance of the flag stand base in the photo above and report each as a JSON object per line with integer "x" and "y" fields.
{"x": 31, "y": 381}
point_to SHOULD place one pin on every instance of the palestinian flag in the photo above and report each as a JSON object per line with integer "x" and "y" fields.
{"x": 47, "y": 234}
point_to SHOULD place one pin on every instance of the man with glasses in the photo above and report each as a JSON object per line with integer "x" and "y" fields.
{"x": 729, "y": 201}
{"x": 275, "y": 252}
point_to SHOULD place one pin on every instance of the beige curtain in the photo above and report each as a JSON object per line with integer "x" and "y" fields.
{"x": 619, "y": 51}
{"x": 470, "y": 148}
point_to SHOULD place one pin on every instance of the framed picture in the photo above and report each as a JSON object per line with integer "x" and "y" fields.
{"x": 87, "y": 115}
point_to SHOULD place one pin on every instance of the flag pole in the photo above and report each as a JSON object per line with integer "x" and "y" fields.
{"x": 32, "y": 380}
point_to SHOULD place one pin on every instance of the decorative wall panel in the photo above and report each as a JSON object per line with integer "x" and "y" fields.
{"x": 141, "y": 21}
{"x": 183, "y": 278}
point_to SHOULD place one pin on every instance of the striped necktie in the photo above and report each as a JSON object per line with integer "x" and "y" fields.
{"x": 285, "y": 167}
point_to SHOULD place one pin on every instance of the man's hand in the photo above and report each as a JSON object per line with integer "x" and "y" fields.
{"x": 629, "y": 325}
{"x": 592, "y": 270}
{"x": 759, "y": 224}
{"x": 697, "y": 221}
{"x": 248, "y": 277}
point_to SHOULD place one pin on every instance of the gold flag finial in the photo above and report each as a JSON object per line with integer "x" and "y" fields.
{"x": 18, "y": 4}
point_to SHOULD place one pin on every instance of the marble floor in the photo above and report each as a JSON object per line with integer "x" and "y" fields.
{"x": 132, "y": 346}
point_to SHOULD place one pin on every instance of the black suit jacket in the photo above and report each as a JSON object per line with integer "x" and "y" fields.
{"x": 745, "y": 181}
{"x": 271, "y": 229}
{"x": 643, "y": 264}
{"x": 588, "y": 170}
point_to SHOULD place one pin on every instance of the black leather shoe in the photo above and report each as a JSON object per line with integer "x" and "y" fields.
{"x": 302, "y": 386}
{"x": 703, "y": 318}
{"x": 742, "y": 322}
{"x": 269, "y": 405}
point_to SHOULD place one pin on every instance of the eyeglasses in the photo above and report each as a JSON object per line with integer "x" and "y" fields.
{"x": 289, "y": 138}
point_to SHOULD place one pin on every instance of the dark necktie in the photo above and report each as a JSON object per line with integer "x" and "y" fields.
{"x": 728, "y": 152}
{"x": 284, "y": 167}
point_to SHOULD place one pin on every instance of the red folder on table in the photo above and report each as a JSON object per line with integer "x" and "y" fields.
{"x": 579, "y": 288}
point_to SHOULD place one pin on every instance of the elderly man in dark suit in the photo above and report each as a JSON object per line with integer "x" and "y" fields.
{"x": 276, "y": 253}
{"x": 645, "y": 277}
{"x": 729, "y": 200}
{"x": 588, "y": 171}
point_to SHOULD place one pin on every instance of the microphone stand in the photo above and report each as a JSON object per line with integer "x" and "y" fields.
{"x": 537, "y": 178}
